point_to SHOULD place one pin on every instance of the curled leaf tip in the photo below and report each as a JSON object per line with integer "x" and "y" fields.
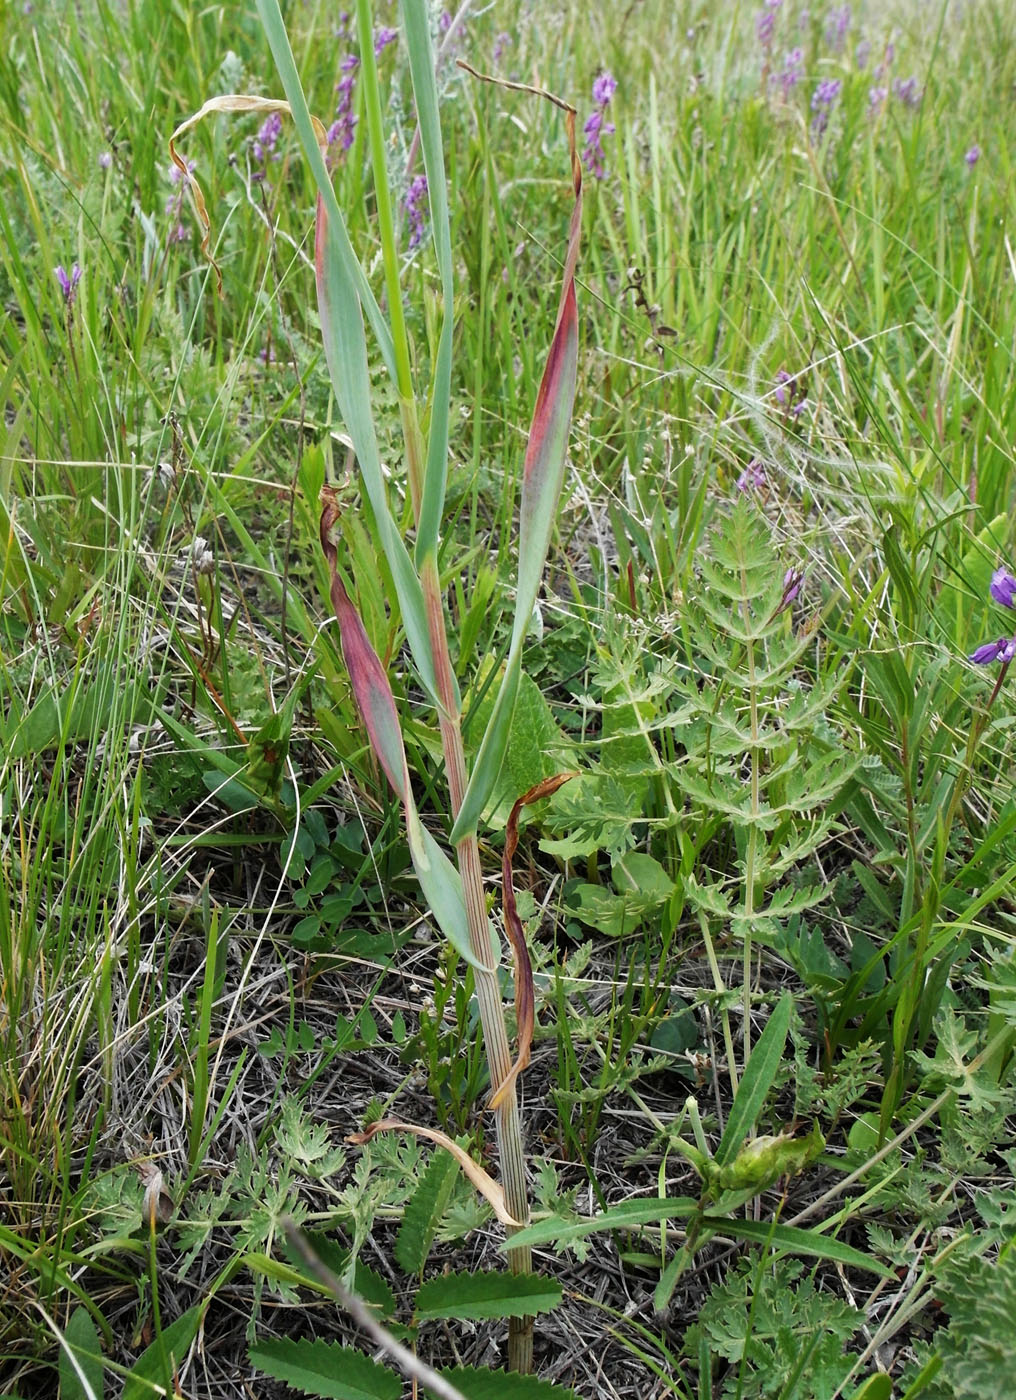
{"x": 525, "y": 998}
{"x": 481, "y": 1180}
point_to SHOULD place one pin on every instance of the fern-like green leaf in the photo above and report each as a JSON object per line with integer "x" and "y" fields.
{"x": 319, "y": 1368}
{"x": 979, "y": 1348}
{"x": 503, "y": 1385}
{"x": 486, "y": 1295}
{"x": 423, "y": 1213}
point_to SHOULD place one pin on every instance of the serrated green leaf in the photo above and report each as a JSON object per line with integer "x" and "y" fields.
{"x": 81, "y": 1378}
{"x": 486, "y": 1295}
{"x": 423, "y": 1213}
{"x": 756, "y": 1081}
{"x": 158, "y": 1362}
{"x": 504, "y": 1385}
{"x": 325, "y": 1369}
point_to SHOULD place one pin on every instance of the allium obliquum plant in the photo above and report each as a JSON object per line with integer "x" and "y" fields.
{"x": 453, "y": 887}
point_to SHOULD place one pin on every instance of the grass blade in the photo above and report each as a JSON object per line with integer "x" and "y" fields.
{"x": 543, "y": 474}
{"x": 756, "y": 1081}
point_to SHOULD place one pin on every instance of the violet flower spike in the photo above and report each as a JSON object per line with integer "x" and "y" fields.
{"x": 973, "y": 156}
{"x": 68, "y": 283}
{"x": 415, "y": 204}
{"x": 1003, "y": 588}
{"x": 1003, "y": 650}
{"x": 596, "y": 125}
{"x": 792, "y": 581}
{"x": 753, "y": 478}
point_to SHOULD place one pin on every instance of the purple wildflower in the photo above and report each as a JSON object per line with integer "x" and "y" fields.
{"x": 862, "y": 53}
{"x": 415, "y": 205}
{"x": 798, "y": 409}
{"x": 105, "y": 160}
{"x": 382, "y": 38}
{"x": 823, "y": 100}
{"x": 765, "y": 25}
{"x": 837, "y": 26}
{"x": 500, "y": 44}
{"x": 1003, "y": 650}
{"x": 792, "y": 581}
{"x": 264, "y": 143}
{"x": 906, "y": 90}
{"x": 174, "y": 204}
{"x": 876, "y": 98}
{"x": 597, "y": 126}
{"x": 1003, "y": 588}
{"x": 342, "y": 130}
{"x": 973, "y": 156}
{"x": 444, "y": 21}
{"x": 68, "y": 284}
{"x": 604, "y": 88}
{"x": 780, "y": 393}
{"x": 790, "y": 75}
{"x": 753, "y": 478}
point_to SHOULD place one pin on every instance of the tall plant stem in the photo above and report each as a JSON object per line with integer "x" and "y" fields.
{"x": 751, "y": 853}
{"x": 507, "y": 1124}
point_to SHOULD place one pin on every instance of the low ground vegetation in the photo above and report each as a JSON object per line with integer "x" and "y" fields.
{"x": 768, "y": 1112}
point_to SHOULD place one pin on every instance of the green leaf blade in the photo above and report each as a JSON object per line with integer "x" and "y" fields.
{"x": 627, "y": 1216}
{"x": 326, "y": 1369}
{"x": 422, "y": 1215}
{"x": 490, "y": 1295}
{"x": 756, "y": 1081}
{"x": 477, "y": 1384}
{"x": 81, "y": 1377}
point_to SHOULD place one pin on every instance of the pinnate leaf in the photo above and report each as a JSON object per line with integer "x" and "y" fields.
{"x": 315, "y": 1367}
{"x": 475, "y": 1384}
{"x": 423, "y": 1213}
{"x": 486, "y": 1295}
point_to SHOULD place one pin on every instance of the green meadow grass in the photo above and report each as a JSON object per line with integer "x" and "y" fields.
{"x": 214, "y": 965}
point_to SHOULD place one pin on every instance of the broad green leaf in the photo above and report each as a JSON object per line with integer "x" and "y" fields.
{"x": 790, "y": 1239}
{"x": 542, "y": 476}
{"x": 627, "y": 1216}
{"x": 756, "y": 1081}
{"x": 486, "y": 1295}
{"x": 878, "y": 1387}
{"x": 167, "y": 1351}
{"x": 439, "y": 880}
{"x": 325, "y": 1369}
{"x": 81, "y": 1377}
{"x": 416, "y": 18}
{"x": 537, "y": 745}
{"x": 423, "y": 1212}
{"x": 343, "y": 295}
{"x": 475, "y": 1384}
{"x": 616, "y": 915}
{"x": 346, "y": 352}
{"x": 278, "y": 41}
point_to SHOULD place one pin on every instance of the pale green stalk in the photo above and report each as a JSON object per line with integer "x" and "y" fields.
{"x": 751, "y": 852}
{"x": 490, "y": 1003}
